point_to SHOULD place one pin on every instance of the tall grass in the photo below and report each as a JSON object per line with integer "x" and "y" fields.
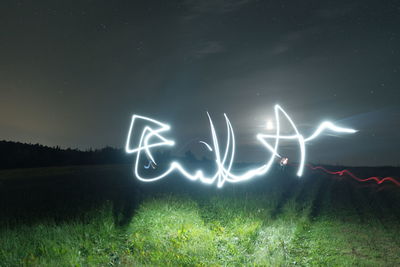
{"x": 313, "y": 222}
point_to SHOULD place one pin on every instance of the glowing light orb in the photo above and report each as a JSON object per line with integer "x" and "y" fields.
{"x": 151, "y": 137}
{"x": 270, "y": 125}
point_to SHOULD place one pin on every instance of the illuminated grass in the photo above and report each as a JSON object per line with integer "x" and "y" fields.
{"x": 334, "y": 243}
{"x": 69, "y": 244}
{"x": 315, "y": 222}
{"x": 175, "y": 231}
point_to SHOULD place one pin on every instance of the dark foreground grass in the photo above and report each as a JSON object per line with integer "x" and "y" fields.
{"x": 318, "y": 221}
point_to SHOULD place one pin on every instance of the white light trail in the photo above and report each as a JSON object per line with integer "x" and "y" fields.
{"x": 207, "y": 145}
{"x": 223, "y": 158}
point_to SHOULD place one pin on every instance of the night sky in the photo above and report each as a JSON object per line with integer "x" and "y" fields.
{"x": 73, "y": 72}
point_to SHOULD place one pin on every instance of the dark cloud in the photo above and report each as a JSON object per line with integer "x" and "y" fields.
{"x": 209, "y": 48}
{"x": 197, "y": 9}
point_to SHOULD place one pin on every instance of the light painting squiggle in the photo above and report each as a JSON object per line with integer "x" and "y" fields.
{"x": 376, "y": 179}
{"x": 151, "y": 137}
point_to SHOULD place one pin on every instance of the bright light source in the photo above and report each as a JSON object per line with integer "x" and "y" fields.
{"x": 224, "y": 157}
{"x": 270, "y": 125}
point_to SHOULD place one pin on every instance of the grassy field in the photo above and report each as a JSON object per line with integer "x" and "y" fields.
{"x": 100, "y": 216}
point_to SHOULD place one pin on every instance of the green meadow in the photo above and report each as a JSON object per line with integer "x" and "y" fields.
{"x": 100, "y": 216}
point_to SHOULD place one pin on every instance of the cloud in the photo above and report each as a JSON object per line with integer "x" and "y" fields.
{"x": 332, "y": 13}
{"x": 208, "y": 48}
{"x": 196, "y": 8}
{"x": 279, "y": 49}
{"x": 291, "y": 39}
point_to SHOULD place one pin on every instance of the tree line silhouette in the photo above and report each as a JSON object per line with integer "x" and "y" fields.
{"x": 21, "y": 155}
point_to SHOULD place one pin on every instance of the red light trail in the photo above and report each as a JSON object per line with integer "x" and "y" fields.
{"x": 378, "y": 180}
